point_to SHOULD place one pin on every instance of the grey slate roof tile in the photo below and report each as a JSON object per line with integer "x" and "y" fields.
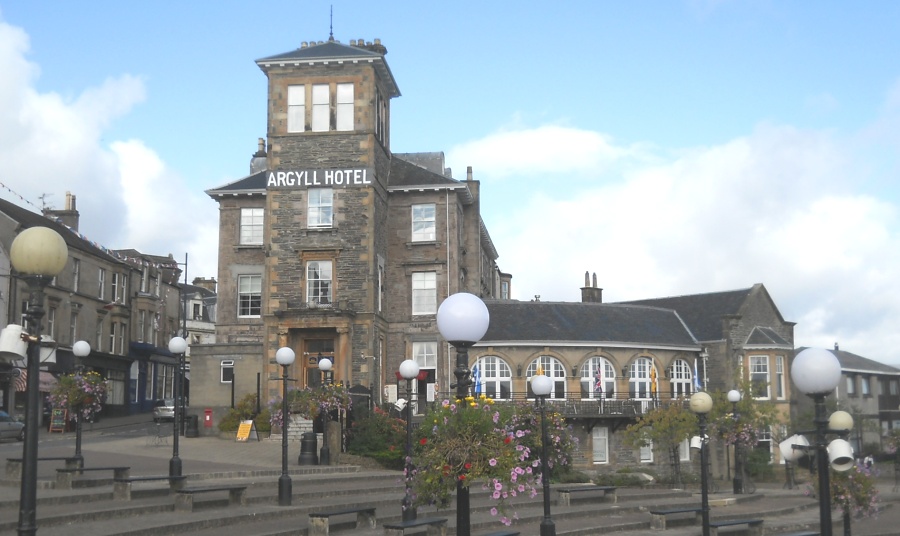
{"x": 588, "y": 323}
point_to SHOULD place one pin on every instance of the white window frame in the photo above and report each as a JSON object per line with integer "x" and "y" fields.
{"x": 423, "y": 222}
{"x": 851, "y": 385}
{"x": 76, "y": 274}
{"x": 113, "y": 327}
{"x": 251, "y": 232}
{"x": 681, "y": 379}
{"x": 226, "y": 364}
{"x": 73, "y": 326}
{"x": 98, "y": 334}
{"x": 344, "y": 107}
{"x": 51, "y": 322}
{"x": 321, "y": 108}
{"x": 600, "y": 447}
{"x": 249, "y": 290}
{"x": 101, "y": 279}
{"x": 553, "y": 369}
{"x": 320, "y": 208}
{"x": 296, "y": 108}
{"x": 639, "y": 381}
{"x": 759, "y": 366}
{"x": 320, "y": 282}
{"x": 424, "y": 293}
{"x": 589, "y": 379}
{"x": 865, "y": 387}
{"x": 779, "y": 377}
{"x": 495, "y": 376}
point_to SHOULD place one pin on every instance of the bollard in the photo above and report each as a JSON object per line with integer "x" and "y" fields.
{"x": 308, "y": 449}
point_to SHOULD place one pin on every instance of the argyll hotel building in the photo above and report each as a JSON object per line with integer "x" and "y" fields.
{"x": 333, "y": 245}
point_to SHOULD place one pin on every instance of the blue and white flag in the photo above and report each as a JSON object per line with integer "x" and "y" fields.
{"x": 696, "y": 377}
{"x": 476, "y": 379}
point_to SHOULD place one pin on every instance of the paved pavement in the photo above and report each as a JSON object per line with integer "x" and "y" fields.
{"x": 125, "y": 441}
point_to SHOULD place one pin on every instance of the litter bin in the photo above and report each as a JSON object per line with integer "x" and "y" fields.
{"x": 193, "y": 426}
{"x": 308, "y": 449}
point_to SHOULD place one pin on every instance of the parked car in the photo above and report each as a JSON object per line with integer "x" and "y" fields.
{"x": 164, "y": 410}
{"x": 11, "y": 428}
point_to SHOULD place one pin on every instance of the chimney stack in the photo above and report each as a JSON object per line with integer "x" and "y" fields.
{"x": 591, "y": 294}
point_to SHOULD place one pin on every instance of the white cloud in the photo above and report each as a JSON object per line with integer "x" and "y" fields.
{"x": 126, "y": 195}
{"x": 777, "y": 207}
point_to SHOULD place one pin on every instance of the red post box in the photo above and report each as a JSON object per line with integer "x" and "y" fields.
{"x": 207, "y": 418}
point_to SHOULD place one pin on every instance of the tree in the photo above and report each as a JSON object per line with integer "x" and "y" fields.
{"x": 665, "y": 428}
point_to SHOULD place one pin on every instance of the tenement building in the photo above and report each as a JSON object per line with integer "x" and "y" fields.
{"x": 333, "y": 245}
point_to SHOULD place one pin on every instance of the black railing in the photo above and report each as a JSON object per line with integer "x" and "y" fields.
{"x": 575, "y": 406}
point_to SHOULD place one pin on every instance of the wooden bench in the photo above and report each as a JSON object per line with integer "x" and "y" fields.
{"x": 658, "y": 517}
{"x": 184, "y": 497}
{"x": 122, "y": 486}
{"x": 754, "y": 526}
{"x": 14, "y": 465}
{"x": 565, "y": 494}
{"x": 64, "y": 477}
{"x": 436, "y": 526}
{"x": 318, "y": 521}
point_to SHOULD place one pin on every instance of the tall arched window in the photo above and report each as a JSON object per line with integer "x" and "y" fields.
{"x": 680, "y": 379}
{"x": 639, "y": 378}
{"x": 493, "y": 378}
{"x": 553, "y": 369}
{"x": 598, "y": 378}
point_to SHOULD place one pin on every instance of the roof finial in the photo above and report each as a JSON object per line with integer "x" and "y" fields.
{"x": 331, "y": 23}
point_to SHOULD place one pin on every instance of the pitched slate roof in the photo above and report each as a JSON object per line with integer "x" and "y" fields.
{"x": 251, "y": 184}
{"x": 856, "y": 363}
{"x": 589, "y": 324}
{"x": 702, "y": 312}
{"x": 406, "y": 174}
{"x": 28, "y": 219}
{"x": 336, "y": 52}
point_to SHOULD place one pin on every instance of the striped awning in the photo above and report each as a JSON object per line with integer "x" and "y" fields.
{"x": 47, "y": 381}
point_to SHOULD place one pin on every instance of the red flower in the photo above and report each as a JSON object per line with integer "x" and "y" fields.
{"x": 423, "y": 441}
{"x": 462, "y": 477}
{"x": 467, "y": 466}
{"x": 507, "y": 440}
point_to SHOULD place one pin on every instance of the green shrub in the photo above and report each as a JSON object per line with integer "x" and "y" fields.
{"x": 379, "y": 436}
{"x": 759, "y": 466}
{"x": 245, "y": 410}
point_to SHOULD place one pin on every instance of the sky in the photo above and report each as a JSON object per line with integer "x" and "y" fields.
{"x": 670, "y": 146}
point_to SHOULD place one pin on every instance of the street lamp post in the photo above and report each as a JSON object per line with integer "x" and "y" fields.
{"x": 463, "y": 320}
{"x": 701, "y": 404}
{"x": 325, "y": 365}
{"x": 177, "y": 346}
{"x": 81, "y": 349}
{"x": 285, "y": 357}
{"x": 541, "y": 386}
{"x": 816, "y": 372}
{"x": 38, "y": 254}
{"x": 409, "y": 370}
{"x": 734, "y": 396}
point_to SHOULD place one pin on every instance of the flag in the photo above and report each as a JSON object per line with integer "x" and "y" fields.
{"x": 476, "y": 379}
{"x": 696, "y": 377}
{"x": 653, "y": 380}
{"x": 21, "y": 380}
{"x": 598, "y": 385}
